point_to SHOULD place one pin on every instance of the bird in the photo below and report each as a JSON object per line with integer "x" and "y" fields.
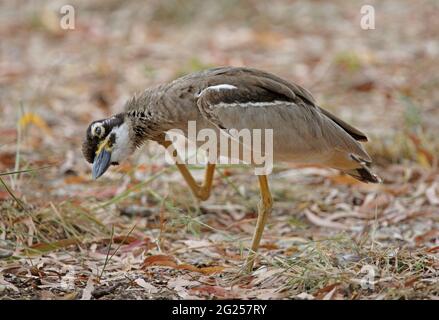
{"x": 225, "y": 98}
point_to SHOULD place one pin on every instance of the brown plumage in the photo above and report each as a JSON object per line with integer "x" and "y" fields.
{"x": 303, "y": 131}
{"x": 232, "y": 98}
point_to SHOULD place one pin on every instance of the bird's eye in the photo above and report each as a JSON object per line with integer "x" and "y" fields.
{"x": 98, "y": 130}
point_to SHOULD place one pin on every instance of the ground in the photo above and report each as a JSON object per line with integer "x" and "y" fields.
{"x": 137, "y": 233}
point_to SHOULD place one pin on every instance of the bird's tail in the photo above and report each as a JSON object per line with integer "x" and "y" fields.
{"x": 364, "y": 174}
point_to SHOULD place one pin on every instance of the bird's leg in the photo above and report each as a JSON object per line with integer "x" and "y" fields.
{"x": 202, "y": 192}
{"x": 264, "y": 210}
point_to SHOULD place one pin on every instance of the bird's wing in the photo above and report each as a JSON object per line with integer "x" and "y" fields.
{"x": 259, "y": 102}
{"x": 354, "y": 132}
{"x": 262, "y": 84}
{"x": 259, "y": 86}
{"x": 233, "y": 86}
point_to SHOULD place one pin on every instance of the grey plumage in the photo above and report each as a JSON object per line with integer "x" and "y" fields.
{"x": 303, "y": 131}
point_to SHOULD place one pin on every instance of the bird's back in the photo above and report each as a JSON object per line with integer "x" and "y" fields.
{"x": 244, "y": 98}
{"x": 265, "y": 101}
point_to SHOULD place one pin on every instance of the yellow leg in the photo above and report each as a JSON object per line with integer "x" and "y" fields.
{"x": 264, "y": 211}
{"x": 202, "y": 192}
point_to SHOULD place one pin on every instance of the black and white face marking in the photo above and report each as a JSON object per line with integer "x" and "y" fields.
{"x": 97, "y": 130}
{"x": 107, "y": 142}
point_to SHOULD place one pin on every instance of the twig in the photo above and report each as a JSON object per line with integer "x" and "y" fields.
{"x": 108, "y": 253}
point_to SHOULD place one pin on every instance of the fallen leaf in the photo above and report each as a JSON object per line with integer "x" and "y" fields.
{"x": 4, "y": 195}
{"x": 121, "y": 240}
{"x": 69, "y": 296}
{"x": 375, "y": 201}
{"x": 211, "y": 270}
{"x": 86, "y": 293}
{"x": 32, "y": 118}
{"x": 267, "y": 294}
{"x": 323, "y": 292}
{"x": 167, "y": 261}
{"x": 47, "y": 295}
{"x": 204, "y": 270}
{"x": 323, "y": 222}
{"x": 159, "y": 260}
{"x": 305, "y": 296}
{"x": 180, "y": 285}
{"x": 269, "y": 246}
{"x": 432, "y": 195}
{"x": 329, "y": 295}
{"x": 71, "y": 179}
{"x": 39, "y": 248}
{"x": 262, "y": 274}
{"x": 104, "y": 193}
{"x": 6, "y": 253}
{"x": 6, "y": 284}
{"x": 426, "y": 237}
{"x": 7, "y": 160}
{"x": 145, "y": 243}
{"x": 147, "y": 286}
{"x": 364, "y": 86}
{"x": 411, "y": 281}
{"x": 215, "y": 291}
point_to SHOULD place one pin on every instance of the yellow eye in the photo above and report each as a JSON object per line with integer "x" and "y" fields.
{"x": 98, "y": 130}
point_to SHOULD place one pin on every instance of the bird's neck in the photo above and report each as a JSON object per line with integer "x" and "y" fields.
{"x": 158, "y": 110}
{"x": 148, "y": 116}
{"x": 143, "y": 128}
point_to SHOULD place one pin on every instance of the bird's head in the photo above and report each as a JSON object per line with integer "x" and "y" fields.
{"x": 107, "y": 142}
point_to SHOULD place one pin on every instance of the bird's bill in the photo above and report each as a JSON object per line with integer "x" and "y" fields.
{"x": 101, "y": 162}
